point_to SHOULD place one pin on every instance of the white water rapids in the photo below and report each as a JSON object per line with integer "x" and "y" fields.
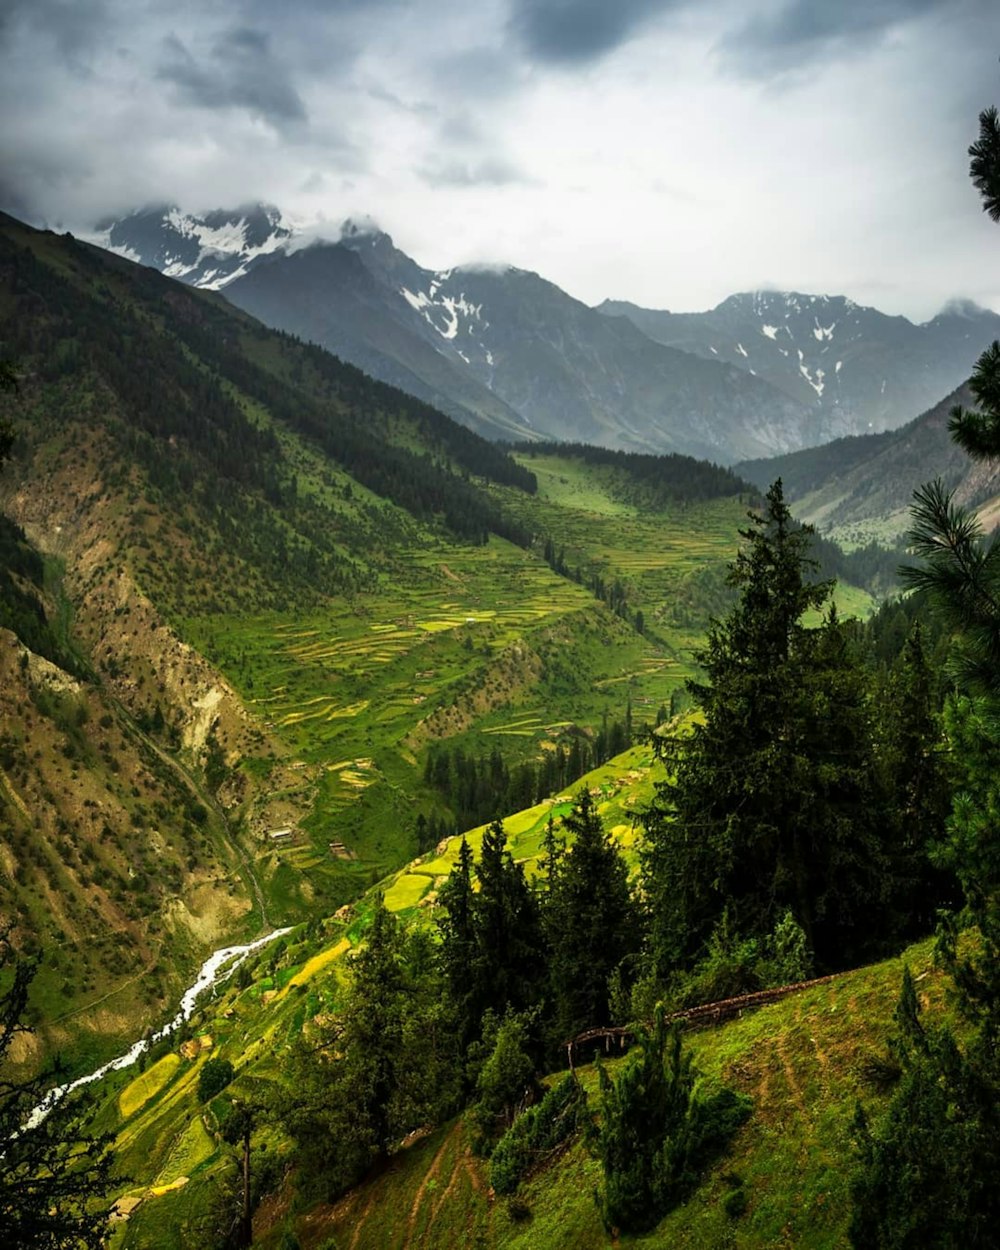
{"x": 226, "y": 961}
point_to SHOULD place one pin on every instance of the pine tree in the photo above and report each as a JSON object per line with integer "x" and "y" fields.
{"x": 507, "y": 962}
{"x": 589, "y": 921}
{"x": 927, "y": 1177}
{"x": 654, "y": 1133}
{"x": 457, "y": 925}
{"x": 387, "y": 1066}
{"x": 771, "y": 805}
{"x": 914, "y": 773}
{"x": 506, "y": 1080}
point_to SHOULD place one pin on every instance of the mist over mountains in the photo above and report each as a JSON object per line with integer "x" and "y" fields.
{"x": 514, "y": 357}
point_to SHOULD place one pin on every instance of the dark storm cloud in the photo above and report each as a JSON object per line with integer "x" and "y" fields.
{"x": 576, "y": 31}
{"x": 239, "y": 72}
{"x": 72, "y": 26}
{"x": 802, "y": 32}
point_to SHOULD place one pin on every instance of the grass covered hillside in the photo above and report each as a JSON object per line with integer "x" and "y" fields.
{"x": 804, "y": 1062}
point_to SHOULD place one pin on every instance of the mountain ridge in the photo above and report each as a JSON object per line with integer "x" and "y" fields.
{"x": 859, "y": 369}
{"x": 508, "y": 353}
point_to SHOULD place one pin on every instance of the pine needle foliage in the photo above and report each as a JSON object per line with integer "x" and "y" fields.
{"x": 656, "y": 1132}
{"x": 978, "y": 432}
{"x": 985, "y": 165}
{"x": 960, "y": 572}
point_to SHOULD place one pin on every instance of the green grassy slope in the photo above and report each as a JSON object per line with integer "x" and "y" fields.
{"x": 802, "y": 1062}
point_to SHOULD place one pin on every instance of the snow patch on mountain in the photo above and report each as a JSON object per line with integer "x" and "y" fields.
{"x": 209, "y": 251}
{"x": 448, "y": 314}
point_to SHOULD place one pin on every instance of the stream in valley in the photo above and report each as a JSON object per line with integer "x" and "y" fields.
{"x": 219, "y": 965}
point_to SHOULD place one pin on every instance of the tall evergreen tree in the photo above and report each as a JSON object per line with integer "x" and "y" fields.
{"x": 507, "y": 963}
{"x": 387, "y": 1066}
{"x": 457, "y": 925}
{"x": 914, "y": 773}
{"x": 589, "y": 921}
{"x": 771, "y": 803}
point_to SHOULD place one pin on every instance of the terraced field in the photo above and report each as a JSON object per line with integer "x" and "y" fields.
{"x": 485, "y": 647}
{"x": 312, "y": 677}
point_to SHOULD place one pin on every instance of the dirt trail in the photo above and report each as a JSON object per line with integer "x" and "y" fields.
{"x": 365, "y": 1212}
{"x": 446, "y": 1193}
{"x": 792, "y": 1080}
{"x": 432, "y": 1174}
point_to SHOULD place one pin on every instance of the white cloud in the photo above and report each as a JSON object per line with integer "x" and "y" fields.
{"x": 644, "y": 169}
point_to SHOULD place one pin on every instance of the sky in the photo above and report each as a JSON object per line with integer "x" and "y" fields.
{"x": 670, "y": 152}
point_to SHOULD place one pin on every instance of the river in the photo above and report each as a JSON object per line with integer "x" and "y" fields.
{"x": 219, "y": 965}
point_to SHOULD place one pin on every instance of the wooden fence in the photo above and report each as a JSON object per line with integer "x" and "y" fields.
{"x": 618, "y": 1040}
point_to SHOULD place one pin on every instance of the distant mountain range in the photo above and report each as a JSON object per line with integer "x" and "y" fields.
{"x": 207, "y": 251}
{"x": 859, "y": 370}
{"x": 514, "y": 357}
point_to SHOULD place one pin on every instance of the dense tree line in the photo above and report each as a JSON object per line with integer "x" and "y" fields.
{"x": 612, "y": 593}
{"x": 789, "y": 797}
{"x": 476, "y": 787}
{"x": 662, "y": 479}
{"x": 453, "y": 442}
{"x": 421, "y": 483}
{"x": 873, "y": 567}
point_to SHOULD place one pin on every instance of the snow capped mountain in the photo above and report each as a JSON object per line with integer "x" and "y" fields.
{"x": 861, "y": 370}
{"x": 562, "y": 369}
{"x": 208, "y": 251}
